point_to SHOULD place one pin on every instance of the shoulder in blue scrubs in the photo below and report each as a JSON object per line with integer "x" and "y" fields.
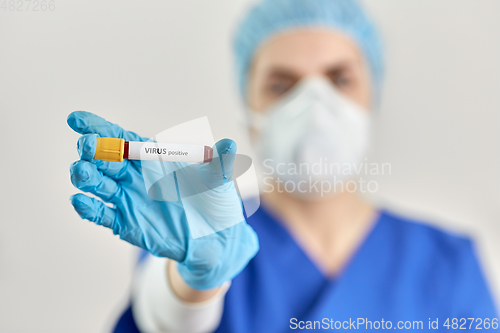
{"x": 405, "y": 273}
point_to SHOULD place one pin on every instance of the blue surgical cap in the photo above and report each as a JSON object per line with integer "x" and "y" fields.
{"x": 269, "y": 17}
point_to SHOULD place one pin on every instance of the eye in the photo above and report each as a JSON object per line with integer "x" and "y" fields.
{"x": 342, "y": 78}
{"x": 278, "y": 88}
{"x": 342, "y": 81}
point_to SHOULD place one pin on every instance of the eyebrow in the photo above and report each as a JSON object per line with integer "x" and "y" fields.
{"x": 340, "y": 66}
{"x": 279, "y": 72}
{"x": 283, "y": 73}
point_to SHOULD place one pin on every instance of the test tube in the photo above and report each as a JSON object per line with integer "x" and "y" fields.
{"x": 116, "y": 150}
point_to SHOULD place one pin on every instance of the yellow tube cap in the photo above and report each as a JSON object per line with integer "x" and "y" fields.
{"x": 109, "y": 149}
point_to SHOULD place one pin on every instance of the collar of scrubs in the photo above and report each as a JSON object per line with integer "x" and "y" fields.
{"x": 282, "y": 238}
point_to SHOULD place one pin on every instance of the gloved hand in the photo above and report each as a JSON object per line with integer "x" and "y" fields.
{"x": 161, "y": 227}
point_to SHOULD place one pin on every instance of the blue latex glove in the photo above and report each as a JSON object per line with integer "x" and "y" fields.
{"x": 161, "y": 227}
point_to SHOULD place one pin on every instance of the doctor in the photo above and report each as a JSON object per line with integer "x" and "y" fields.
{"x": 312, "y": 256}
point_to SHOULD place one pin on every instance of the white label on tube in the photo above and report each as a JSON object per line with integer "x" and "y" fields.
{"x": 169, "y": 152}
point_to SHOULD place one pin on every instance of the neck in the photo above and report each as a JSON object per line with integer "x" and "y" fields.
{"x": 329, "y": 230}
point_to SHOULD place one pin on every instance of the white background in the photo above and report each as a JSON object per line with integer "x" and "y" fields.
{"x": 151, "y": 65}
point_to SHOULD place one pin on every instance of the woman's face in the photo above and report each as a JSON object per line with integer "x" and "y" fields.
{"x": 290, "y": 56}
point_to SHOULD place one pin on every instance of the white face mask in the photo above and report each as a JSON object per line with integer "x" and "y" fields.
{"x": 313, "y": 134}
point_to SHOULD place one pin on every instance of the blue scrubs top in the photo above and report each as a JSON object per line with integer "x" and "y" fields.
{"x": 405, "y": 275}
